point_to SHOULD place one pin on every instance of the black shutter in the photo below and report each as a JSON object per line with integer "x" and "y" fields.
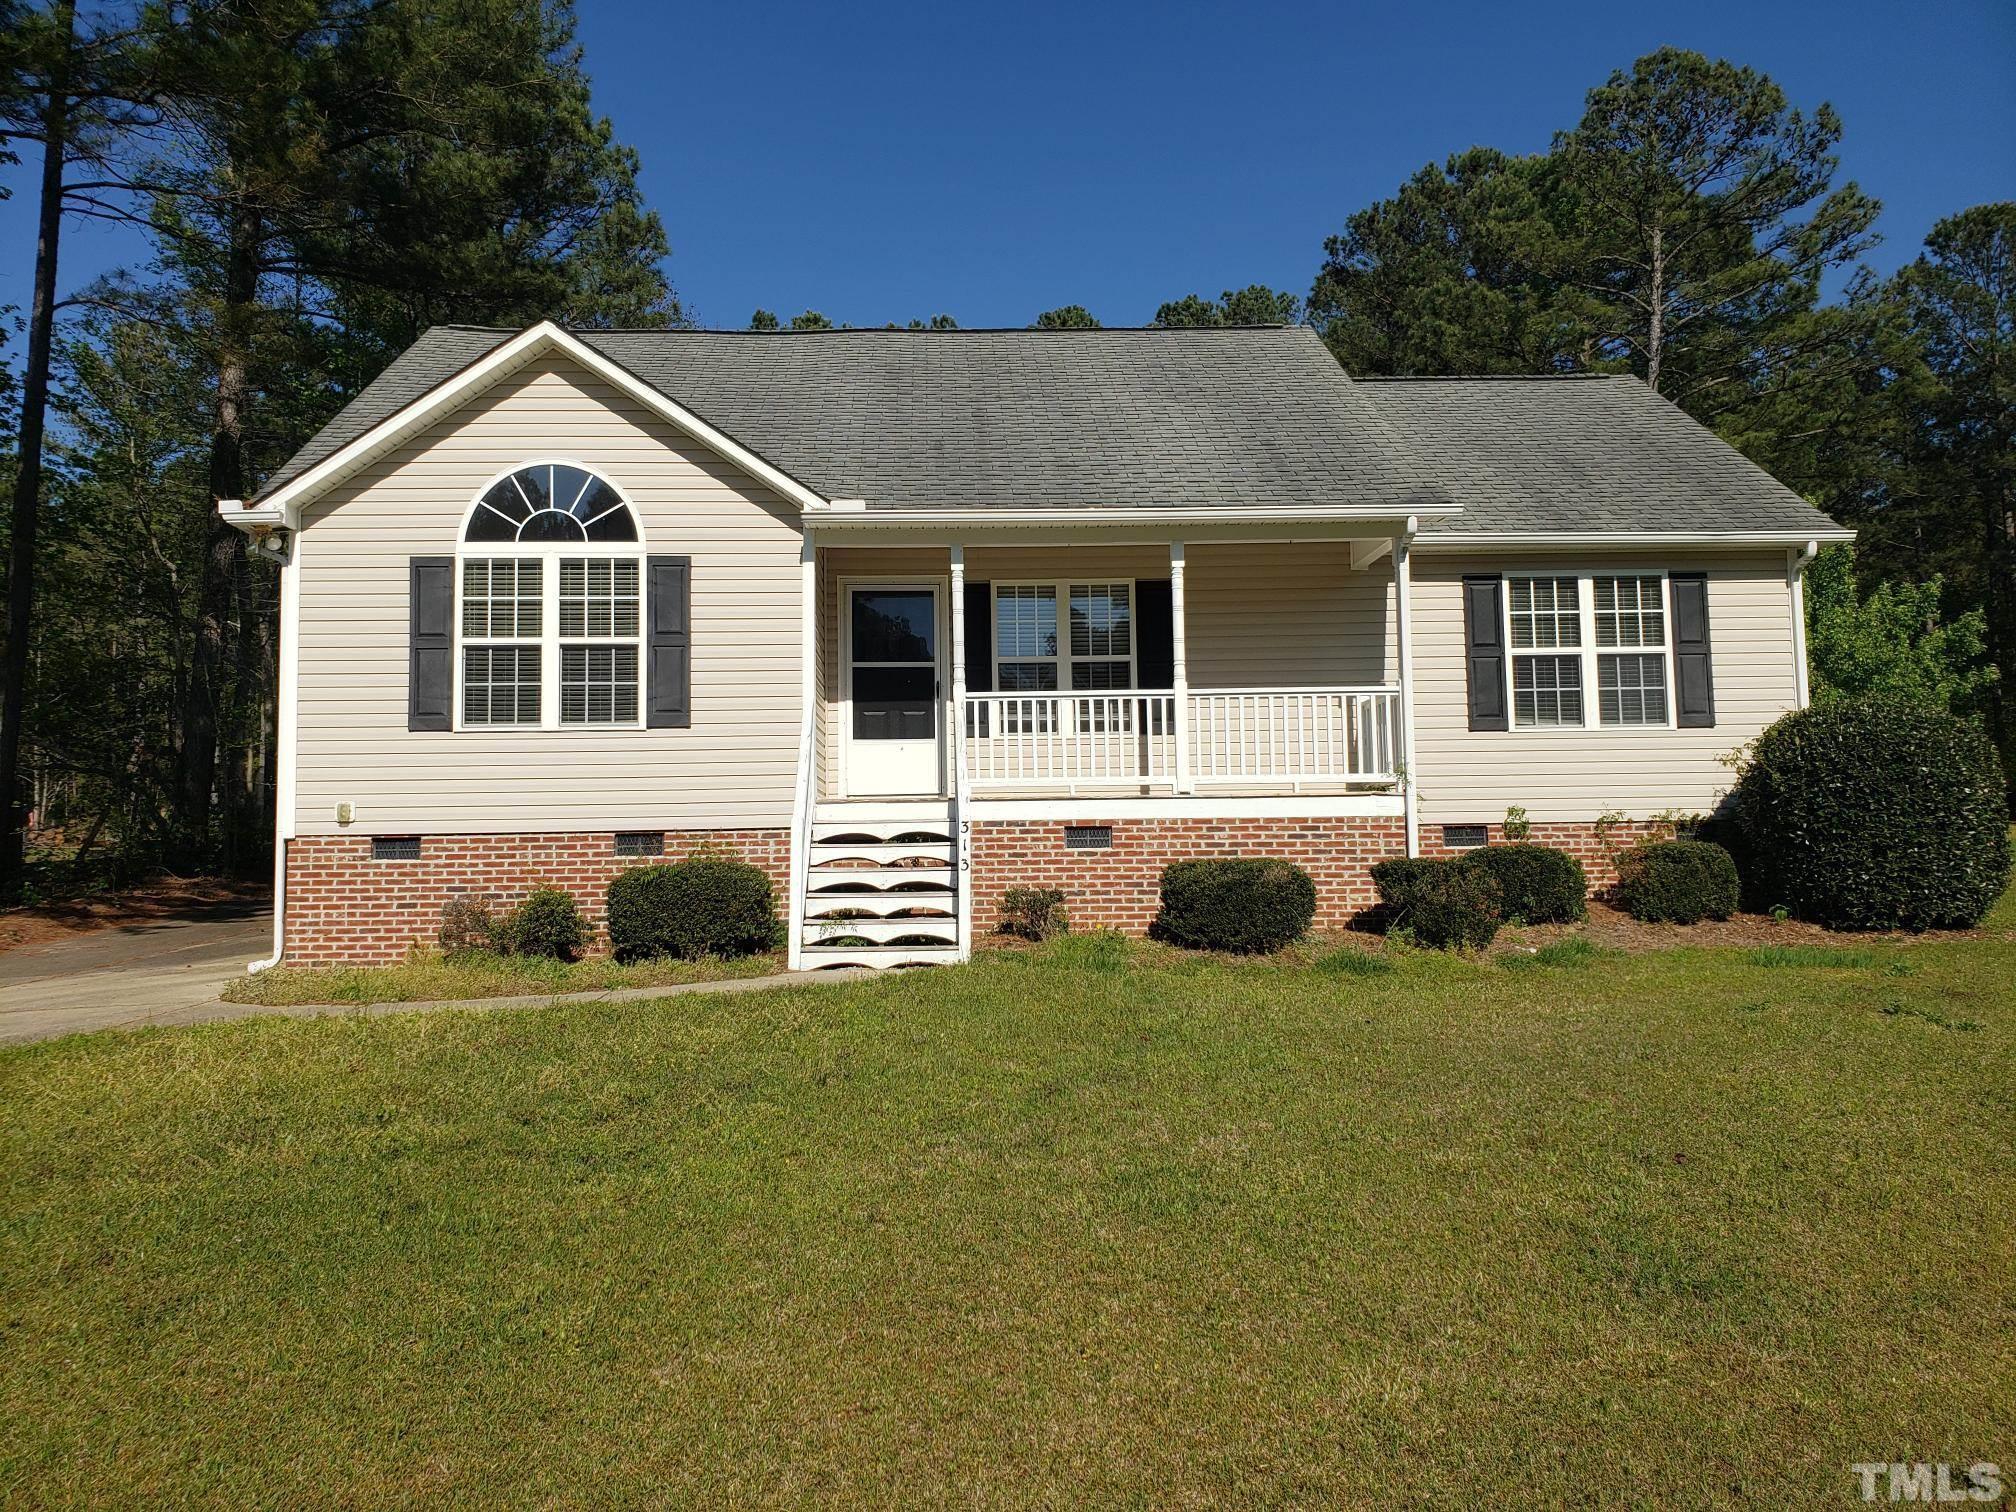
{"x": 979, "y": 638}
{"x": 1693, "y": 674}
{"x": 1154, "y": 635}
{"x": 430, "y": 643}
{"x": 669, "y": 646}
{"x": 1484, "y": 637}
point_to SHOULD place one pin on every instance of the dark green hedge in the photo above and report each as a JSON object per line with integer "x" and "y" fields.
{"x": 1442, "y": 904}
{"x": 1242, "y": 904}
{"x": 1873, "y": 813}
{"x": 1536, "y": 883}
{"x": 689, "y": 909}
{"x": 547, "y": 924}
{"x": 1676, "y": 882}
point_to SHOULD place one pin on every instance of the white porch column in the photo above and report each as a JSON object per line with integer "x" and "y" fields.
{"x": 1180, "y": 660}
{"x": 1403, "y": 614}
{"x": 962, "y": 820}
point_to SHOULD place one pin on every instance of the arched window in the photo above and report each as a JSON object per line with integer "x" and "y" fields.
{"x": 550, "y": 603}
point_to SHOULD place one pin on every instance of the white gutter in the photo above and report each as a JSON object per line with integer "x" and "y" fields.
{"x": 1441, "y": 538}
{"x": 855, "y": 518}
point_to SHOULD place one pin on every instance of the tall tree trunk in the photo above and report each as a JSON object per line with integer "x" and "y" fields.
{"x": 1655, "y": 339}
{"x": 223, "y": 547}
{"x": 28, "y": 473}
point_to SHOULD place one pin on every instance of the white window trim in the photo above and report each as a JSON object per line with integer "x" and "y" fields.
{"x": 1063, "y": 658}
{"x": 1588, "y": 652}
{"x": 551, "y": 554}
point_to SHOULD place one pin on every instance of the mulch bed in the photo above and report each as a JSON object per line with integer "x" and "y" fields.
{"x": 1614, "y": 929}
{"x": 164, "y": 898}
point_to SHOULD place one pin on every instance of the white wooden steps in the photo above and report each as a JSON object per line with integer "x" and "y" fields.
{"x": 880, "y": 887}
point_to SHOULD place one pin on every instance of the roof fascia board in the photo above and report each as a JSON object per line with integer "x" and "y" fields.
{"x": 1453, "y": 539}
{"x": 1107, "y": 528}
{"x": 525, "y": 347}
{"x": 1002, "y": 519}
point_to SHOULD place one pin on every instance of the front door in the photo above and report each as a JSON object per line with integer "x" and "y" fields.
{"x": 893, "y": 683}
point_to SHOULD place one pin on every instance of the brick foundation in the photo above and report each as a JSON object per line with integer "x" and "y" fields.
{"x": 1120, "y": 888}
{"x": 344, "y": 907}
{"x": 1597, "y": 848}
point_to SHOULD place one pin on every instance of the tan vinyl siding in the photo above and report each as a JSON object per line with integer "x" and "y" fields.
{"x": 732, "y": 769}
{"x": 1466, "y": 776}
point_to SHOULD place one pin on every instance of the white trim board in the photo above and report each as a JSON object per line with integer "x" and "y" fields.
{"x": 1067, "y": 810}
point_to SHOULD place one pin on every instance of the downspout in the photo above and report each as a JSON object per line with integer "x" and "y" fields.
{"x": 1795, "y": 580}
{"x": 801, "y": 797}
{"x": 962, "y": 792}
{"x": 1403, "y": 606}
{"x": 289, "y": 557}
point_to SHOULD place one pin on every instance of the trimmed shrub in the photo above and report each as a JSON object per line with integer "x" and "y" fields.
{"x": 1873, "y": 813}
{"x": 1442, "y": 904}
{"x": 1247, "y": 905}
{"x": 467, "y": 924}
{"x": 1676, "y": 882}
{"x": 547, "y": 924}
{"x": 1034, "y": 913}
{"x": 705, "y": 906}
{"x": 1536, "y": 883}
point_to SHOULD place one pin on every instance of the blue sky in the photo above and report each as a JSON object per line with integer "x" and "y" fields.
{"x": 881, "y": 161}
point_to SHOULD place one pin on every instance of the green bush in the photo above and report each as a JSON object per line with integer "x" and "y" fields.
{"x": 1676, "y": 882}
{"x": 1443, "y": 904}
{"x": 468, "y": 923}
{"x": 701, "y": 907}
{"x": 1873, "y": 813}
{"x": 1248, "y": 905}
{"x": 1536, "y": 883}
{"x": 1034, "y": 913}
{"x": 546, "y": 924}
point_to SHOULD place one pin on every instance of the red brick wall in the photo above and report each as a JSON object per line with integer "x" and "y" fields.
{"x": 1596, "y": 849}
{"x": 1119, "y": 888}
{"x": 344, "y": 907}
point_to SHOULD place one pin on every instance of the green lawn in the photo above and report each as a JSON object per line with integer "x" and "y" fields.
{"x": 428, "y": 976}
{"x": 1085, "y": 1225}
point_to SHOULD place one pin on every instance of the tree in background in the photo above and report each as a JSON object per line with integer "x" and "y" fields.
{"x": 1459, "y": 272}
{"x": 67, "y": 91}
{"x": 1681, "y": 231}
{"x": 1254, "y": 305}
{"x": 328, "y": 178}
{"x": 1942, "y": 500}
{"x": 1893, "y": 640}
{"x": 1067, "y": 318}
{"x": 763, "y": 320}
{"x": 811, "y": 320}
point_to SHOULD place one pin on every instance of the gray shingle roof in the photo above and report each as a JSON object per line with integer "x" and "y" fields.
{"x": 1131, "y": 418}
{"x": 1555, "y": 455}
{"x": 996, "y": 419}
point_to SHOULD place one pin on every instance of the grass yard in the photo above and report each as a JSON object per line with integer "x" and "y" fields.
{"x": 1082, "y": 1225}
{"x": 428, "y": 976}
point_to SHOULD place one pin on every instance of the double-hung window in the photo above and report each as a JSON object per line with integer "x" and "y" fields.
{"x": 1092, "y": 651}
{"x": 1631, "y": 649}
{"x": 550, "y": 617}
{"x": 1546, "y": 657}
{"x": 1570, "y": 635}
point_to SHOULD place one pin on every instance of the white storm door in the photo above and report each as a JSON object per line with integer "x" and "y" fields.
{"x": 893, "y": 691}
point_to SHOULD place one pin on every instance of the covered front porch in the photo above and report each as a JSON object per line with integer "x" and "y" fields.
{"x": 1095, "y": 668}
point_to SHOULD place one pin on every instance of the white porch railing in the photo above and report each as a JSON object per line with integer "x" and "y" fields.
{"x": 1258, "y": 736}
{"x": 1069, "y": 739}
{"x": 1294, "y": 735}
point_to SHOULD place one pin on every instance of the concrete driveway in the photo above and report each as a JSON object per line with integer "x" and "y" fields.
{"x": 159, "y": 971}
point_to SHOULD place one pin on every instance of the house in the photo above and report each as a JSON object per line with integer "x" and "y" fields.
{"x": 910, "y": 618}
